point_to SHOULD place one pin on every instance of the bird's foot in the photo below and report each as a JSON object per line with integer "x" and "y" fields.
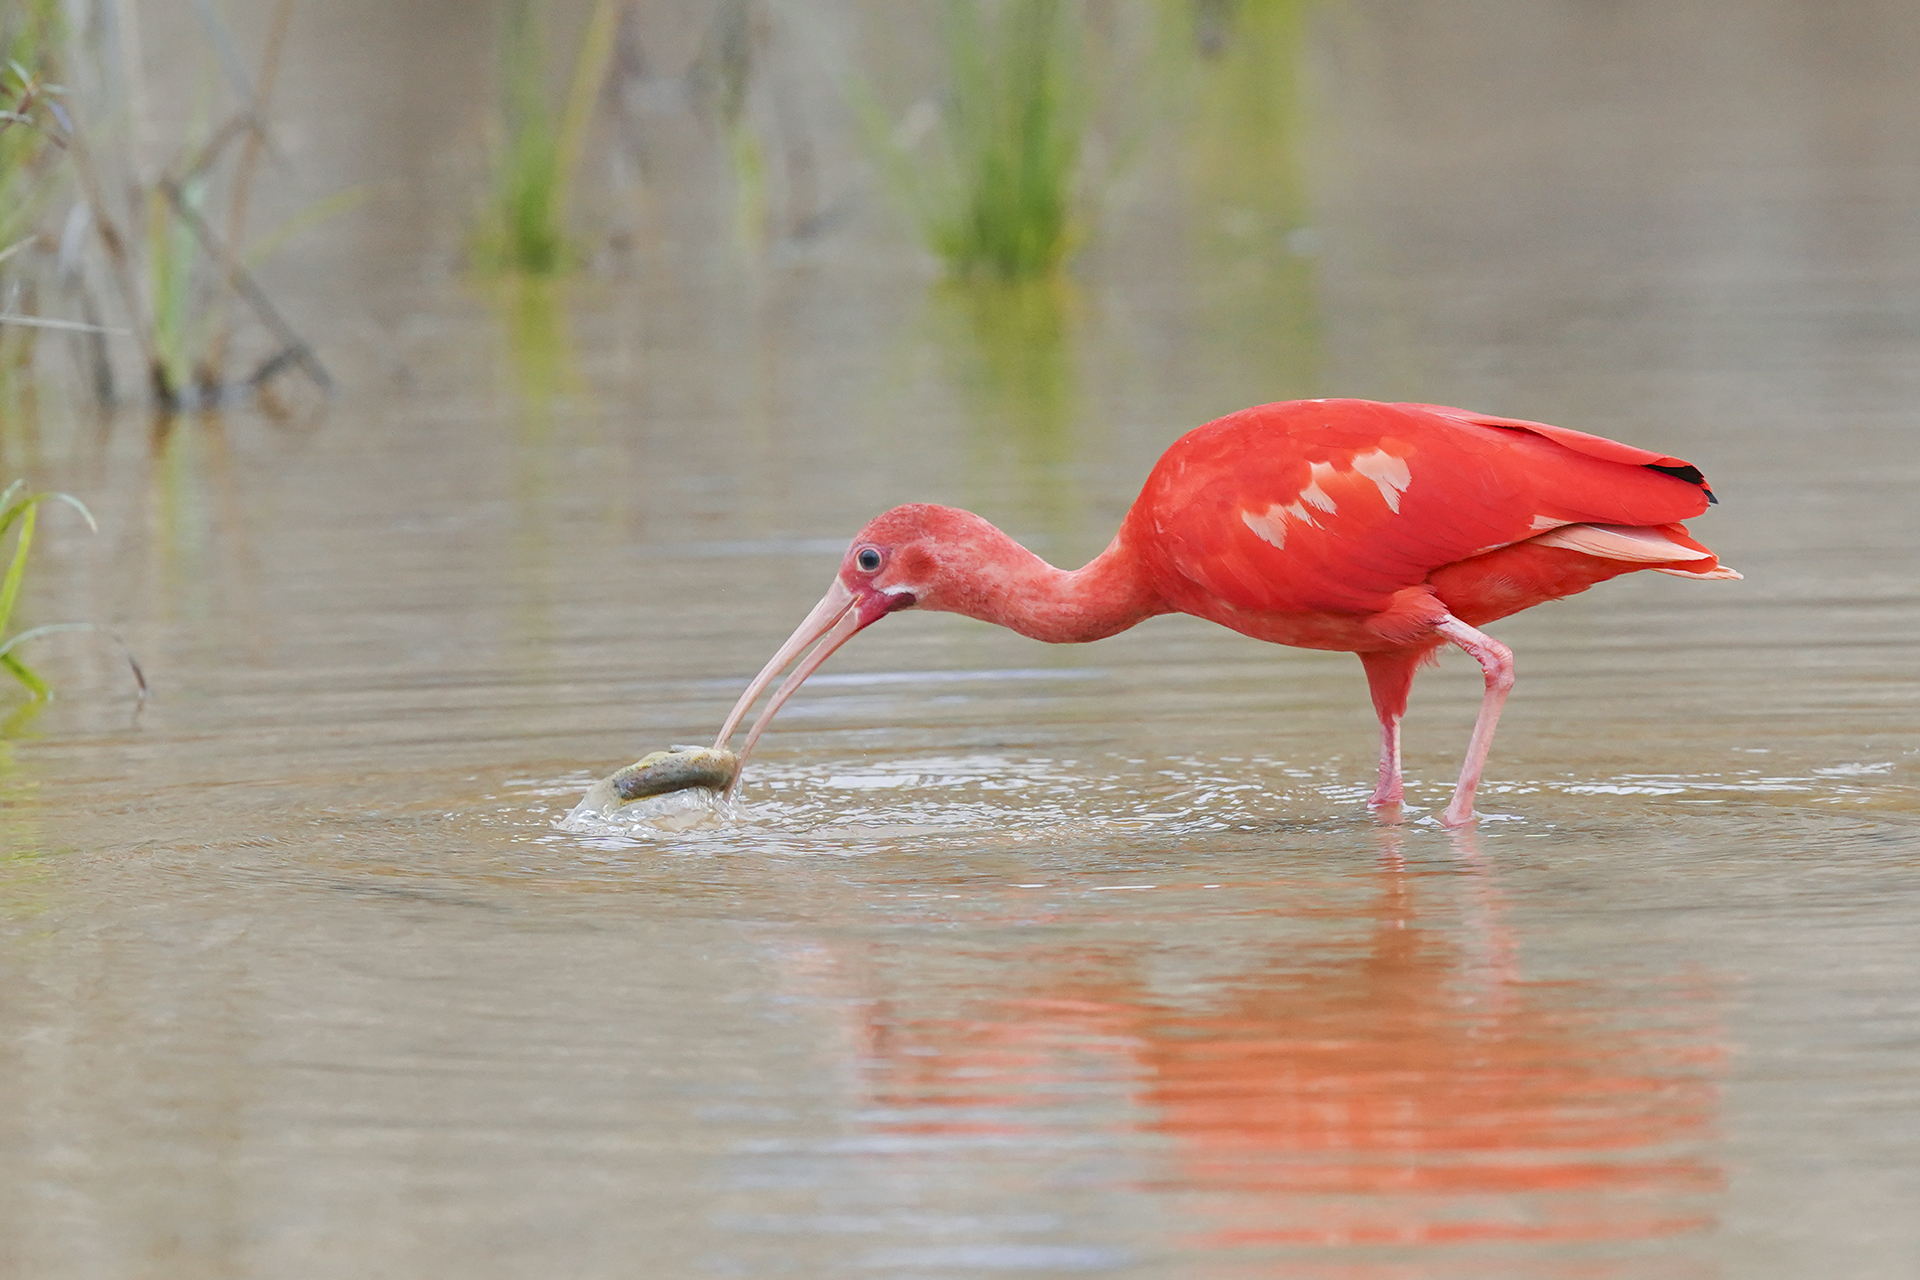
{"x": 1457, "y": 814}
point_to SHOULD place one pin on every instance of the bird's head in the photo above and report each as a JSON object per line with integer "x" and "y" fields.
{"x": 903, "y": 558}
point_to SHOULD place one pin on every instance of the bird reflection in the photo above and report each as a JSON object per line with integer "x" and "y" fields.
{"x": 1415, "y": 1090}
{"x": 1395, "y": 1081}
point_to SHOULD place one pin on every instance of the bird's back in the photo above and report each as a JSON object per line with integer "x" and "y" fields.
{"x": 1333, "y": 506}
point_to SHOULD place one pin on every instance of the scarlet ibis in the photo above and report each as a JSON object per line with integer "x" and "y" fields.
{"x": 1385, "y": 530}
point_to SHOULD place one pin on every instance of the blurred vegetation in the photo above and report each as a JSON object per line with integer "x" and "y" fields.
{"x": 536, "y": 155}
{"x": 539, "y": 345}
{"x": 996, "y": 191}
{"x": 177, "y": 278}
{"x": 1246, "y": 173}
{"x": 176, "y": 321}
{"x": 1252, "y": 121}
{"x": 1008, "y": 348}
{"x": 720, "y": 79}
{"x": 32, "y": 33}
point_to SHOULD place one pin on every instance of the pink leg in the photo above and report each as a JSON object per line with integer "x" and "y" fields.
{"x": 1389, "y": 791}
{"x": 1496, "y": 661}
{"x": 1389, "y": 677}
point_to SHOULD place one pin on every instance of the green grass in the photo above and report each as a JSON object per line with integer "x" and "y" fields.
{"x": 997, "y": 194}
{"x": 31, "y": 35}
{"x": 177, "y": 316}
{"x": 18, "y": 512}
{"x": 523, "y": 226}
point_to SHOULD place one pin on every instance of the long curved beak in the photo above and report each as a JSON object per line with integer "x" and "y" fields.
{"x": 833, "y": 622}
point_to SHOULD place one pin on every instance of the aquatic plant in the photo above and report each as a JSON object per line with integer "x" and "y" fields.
{"x": 997, "y": 192}
{"x": 719, "y": 80}
{"x": 174, "y": 313}
{"x": 31, "y": 35}
{"x": 176, "y": 277}
{"x": 523, "y": 225}
{"x": 18, "y": 512}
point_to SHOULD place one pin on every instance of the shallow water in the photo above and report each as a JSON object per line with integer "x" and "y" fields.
{"x": 1015, "y": 959}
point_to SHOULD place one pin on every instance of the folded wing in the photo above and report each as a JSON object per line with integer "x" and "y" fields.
{"x": 1315, "y": 506}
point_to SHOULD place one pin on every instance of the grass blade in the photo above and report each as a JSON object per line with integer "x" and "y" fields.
{"x": 589, "y": 74}
{"x": 997, "y": 194}
{"x": 65, "y": 326}
{"x": 26, "y": 676}
{"x": 26, "y": 513}
{"x": 40, "y": 689}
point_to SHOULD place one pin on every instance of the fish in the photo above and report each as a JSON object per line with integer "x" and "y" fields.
{"x": 675, "y": 769}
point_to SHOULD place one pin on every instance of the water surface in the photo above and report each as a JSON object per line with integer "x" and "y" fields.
{"x": 1018, "y": 960}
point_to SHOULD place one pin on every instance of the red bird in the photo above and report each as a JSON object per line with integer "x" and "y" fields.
{"x": 1385, "y": 530}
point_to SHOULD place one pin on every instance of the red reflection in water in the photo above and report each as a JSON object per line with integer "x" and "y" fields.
{"x": 1400, "y": 1086}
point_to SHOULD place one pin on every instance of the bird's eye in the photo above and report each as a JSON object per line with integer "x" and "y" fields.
{"x": 868, "y": 560}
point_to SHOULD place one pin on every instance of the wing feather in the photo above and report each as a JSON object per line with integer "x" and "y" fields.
{"x": 1334, "y": 505}
{"x": 1616, "y": 542}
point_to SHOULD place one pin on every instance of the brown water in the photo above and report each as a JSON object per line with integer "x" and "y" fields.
{"x": 1019, "y": 960}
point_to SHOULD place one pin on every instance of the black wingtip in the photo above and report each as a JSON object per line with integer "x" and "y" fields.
{"x": 1691, "y": 474}
{"x": 1684, "y": 471}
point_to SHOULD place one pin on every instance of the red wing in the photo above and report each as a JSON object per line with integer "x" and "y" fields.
{"x": 1332, "y": 506}
{"x": 1578, "y": 441}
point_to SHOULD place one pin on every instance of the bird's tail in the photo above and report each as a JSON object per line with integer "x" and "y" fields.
{"x": 1665, "y": 548}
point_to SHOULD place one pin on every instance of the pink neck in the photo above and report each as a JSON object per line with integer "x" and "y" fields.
{"x": 1014, "y": 588}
